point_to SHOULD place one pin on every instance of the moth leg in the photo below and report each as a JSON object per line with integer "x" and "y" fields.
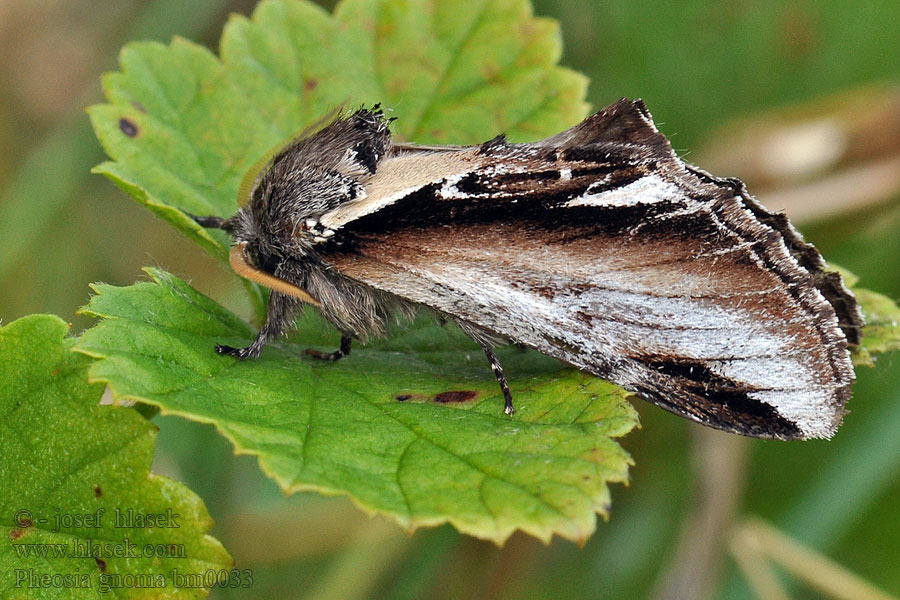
{"x": 487, "y": 340}
{"x": 336, "y": 355}
{"x": 508, "y": 407}
{"x": 279, "y": 317}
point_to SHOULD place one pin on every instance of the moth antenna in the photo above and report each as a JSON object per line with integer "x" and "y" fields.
{"x": 259, "y": 168}
{"x": 242, "y": 267}
{"x": 211, "y": 222}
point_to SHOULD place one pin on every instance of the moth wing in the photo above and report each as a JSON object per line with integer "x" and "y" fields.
{"x": 626, "y": 122}
{"x": 704, "y": 333}
{"x": 599, "y": 247}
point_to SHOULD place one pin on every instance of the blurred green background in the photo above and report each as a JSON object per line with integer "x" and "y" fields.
{"x": 733, "y": 84}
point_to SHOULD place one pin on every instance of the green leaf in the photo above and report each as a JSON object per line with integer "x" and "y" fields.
{"x": 369, "y": 426}
{"x": 68, "y": 466}
{"x": 183, "y": 126}
{"x": 882, "y": 330}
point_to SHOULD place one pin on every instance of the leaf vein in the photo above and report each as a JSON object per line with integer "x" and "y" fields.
{"x": 449, "y": 66}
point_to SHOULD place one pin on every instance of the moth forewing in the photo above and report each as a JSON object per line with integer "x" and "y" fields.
{"x": 598, "y": 303}
{"x": 597, "y": 246}
{"x": 403, "y": 174}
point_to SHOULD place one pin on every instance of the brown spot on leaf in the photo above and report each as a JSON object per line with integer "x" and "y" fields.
{"x": 97, "y": 491}
{"x": 455, "y": 396}
{"x": 16, "y": 533}
{"x": 403, "y": 397}
{"x": 128, "y": 127}
{"x": 101, "y": 564}
{"x": 138, "y": 106}
{"x": 310, "y": 84}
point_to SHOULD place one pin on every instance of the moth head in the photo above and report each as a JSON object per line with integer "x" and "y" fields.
{"x": 258, "y": 256}
{"x": 289, "y": 188}
{"x": 249, "y": 264}
{"x": 298, "y": 181}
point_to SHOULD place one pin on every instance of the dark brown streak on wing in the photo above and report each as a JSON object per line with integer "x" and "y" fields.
{"x": 512, "y": 196}
{"x": 729, "y": 401}
{"x": 689, "y": 388}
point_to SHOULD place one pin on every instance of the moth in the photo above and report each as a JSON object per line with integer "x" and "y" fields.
{"x": 597, "y": 246}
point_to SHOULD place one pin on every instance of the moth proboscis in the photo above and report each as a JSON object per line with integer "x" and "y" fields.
{"x": 597, "y": 246}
